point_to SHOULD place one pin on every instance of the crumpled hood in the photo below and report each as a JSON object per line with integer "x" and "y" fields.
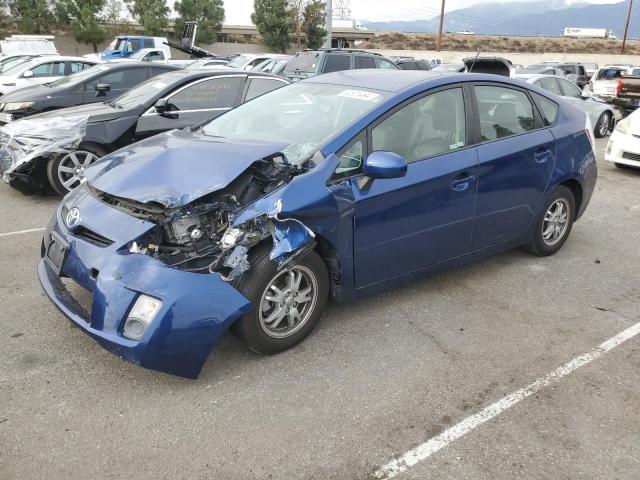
{"x": 176, "y": 167}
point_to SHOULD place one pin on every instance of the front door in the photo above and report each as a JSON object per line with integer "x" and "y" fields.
{"x": 427, "y": 216}
{"x": 516, "y": 156}
{"x": 193, "y": 104}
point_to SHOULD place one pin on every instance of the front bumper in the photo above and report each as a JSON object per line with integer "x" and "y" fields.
{"x": 196, "y": 308}
{"x": 623, "y": 149}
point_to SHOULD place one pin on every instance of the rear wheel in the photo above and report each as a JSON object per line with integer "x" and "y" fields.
{"x": 288, "y": 303}
{"x": 554, "y": 223}
{"x": 603, "y": 127}
{"x": 66, "y": 171}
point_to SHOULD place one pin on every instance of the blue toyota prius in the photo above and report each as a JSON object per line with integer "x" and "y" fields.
{"x": 333, "y": 187}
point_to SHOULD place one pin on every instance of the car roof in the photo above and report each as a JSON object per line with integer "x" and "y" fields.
{"x": 189, "y": 74}
{"x": 398, "y": 81}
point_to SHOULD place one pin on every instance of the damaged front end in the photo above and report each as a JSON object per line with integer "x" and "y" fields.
{"x": 205, "y": 235}
{"x": 25, "y": 141}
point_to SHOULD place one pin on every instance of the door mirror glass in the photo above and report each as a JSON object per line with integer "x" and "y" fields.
{"x": 27, "y": 74}
{"x": 384, "y": 165}
{"x": 102, "y": 89}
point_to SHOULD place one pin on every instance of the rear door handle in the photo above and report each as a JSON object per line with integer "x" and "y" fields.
{"x": 542, "y": 154}
{"x": 461, "y": 184}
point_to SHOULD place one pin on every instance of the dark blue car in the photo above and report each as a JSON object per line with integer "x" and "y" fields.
{"x": 333, "y": 187}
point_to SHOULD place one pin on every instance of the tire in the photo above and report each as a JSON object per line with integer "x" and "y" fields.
{"x": 603, "y": 126}
{"x": 545, "y": 244}
{"x": 254, "y": 328}
{"x": 60, "y": 179}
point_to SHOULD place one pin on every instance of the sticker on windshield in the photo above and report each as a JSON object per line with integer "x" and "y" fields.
{"x": 360, "y": 95}
{"x": 159, "y": 85}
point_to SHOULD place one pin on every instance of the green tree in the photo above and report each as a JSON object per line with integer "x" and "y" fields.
{"x": 32, "y": 16}
{"x": 272, "y": 19}
{"x": 313, "y": 23}
{"x": 153, "y": 15}
{"x": 208, "y": 13}
{"x": 84, "y": 18}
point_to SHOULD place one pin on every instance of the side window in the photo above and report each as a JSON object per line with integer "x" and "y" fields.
{"x": 148, "y": 43}
{"x": 422, "y": 65}
{"x": 386, "y": 64}
{"x": 364, "y": 62}
{"x": 503, "y": 112}
{"x": 336, "y": 63}
{"x": 135, "y": 44}
{"x": 550, "y": 85}
{"x": 211, "y": 93}
{"x": 43, "y": 70}
{"x": 260, "y": 86}
{"x": 58, "y": 69}
{"x": 77, "y": 66}
{"x": 548, "y": 108}
{"x": 569, "y": 89}
{"x": 351, "y": 157}
{"x": 121, "y": 79}
{"x": 429, "y": 126}
{"x": 155, "y": 56}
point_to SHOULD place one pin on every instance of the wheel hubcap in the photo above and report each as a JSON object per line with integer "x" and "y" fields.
{"x": 72, "y": 166}
{"x": 604, "y": 125}
{"x": 288, "y": 301}
{"x": 556, "y": 221}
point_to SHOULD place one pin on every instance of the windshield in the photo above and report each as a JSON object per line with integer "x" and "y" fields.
{"x": 240, "y": 61}
{"x": 120, "y": 44}
{"x": 303, "y": 115}
{"x": 18, "y": 68}
{"x": 78, "y": 77}
{"x": 12, "y": 62}
{"x": 141, "y": 94}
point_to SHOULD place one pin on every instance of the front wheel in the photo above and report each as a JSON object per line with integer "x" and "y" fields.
{"x": 66, "y": 171}
{"x": 603, "y": 127}
{"x": 288, "y": 302}
{"x": 554, "y": 223}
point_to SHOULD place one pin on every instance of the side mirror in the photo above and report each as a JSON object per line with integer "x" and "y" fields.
{"x": 586, "y": 95}
{"x": 384, "y": 165}
{"x": 161, "y": 109}
{"x": 27, "y": 74}
{"x": 102, "y": 89}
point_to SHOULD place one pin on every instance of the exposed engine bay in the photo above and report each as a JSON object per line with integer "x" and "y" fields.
{"x": 199, "y": 237}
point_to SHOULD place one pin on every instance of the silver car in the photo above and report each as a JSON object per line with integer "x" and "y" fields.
{"x": 600, "y": 113}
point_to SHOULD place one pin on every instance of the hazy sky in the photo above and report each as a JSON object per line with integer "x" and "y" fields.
{"x": 239, "y": 11}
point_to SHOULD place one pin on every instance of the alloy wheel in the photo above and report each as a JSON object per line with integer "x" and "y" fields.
{"x": 72, "y": 166}
{"x": 556, "y": 222}
{"x": 604, "y": 125}
{"x": 288, "y": 301}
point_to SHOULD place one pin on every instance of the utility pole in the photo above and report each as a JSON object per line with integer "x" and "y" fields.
{"x": 441, "y": 25}
{"x": 327, "y": 23}
{"x": 626, "y": 27}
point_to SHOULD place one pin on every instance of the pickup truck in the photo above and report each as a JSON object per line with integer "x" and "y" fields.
{"x": 628, "y": 92}
{"x": 605, "y": 81}
{"x": 127, "y": 45}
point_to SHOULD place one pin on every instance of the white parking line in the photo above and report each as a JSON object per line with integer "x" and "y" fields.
{"x": 20, "y": 232}
{"x": 431, "y": 446}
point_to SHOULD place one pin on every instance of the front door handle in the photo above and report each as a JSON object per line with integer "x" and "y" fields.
{"x": 462, "y": 184}
{"x": 542, "y": 154}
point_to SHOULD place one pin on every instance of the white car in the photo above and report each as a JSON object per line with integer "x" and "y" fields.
{"x": 623, "y": 148}
{"x": 247, "y": 61}
{"x": 40, "y": 70}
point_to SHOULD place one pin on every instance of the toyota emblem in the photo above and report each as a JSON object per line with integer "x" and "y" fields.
{"x": 73, "y": 217}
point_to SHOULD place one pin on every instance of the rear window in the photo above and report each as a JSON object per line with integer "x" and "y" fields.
{"x": 609, "y": 73}
{"x": 336, "y": 63}
{"x": 303, "y": 62}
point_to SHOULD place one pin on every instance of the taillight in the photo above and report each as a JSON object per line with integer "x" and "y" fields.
{"x": 588, "y": 132}
{"x": 619, "y": 87}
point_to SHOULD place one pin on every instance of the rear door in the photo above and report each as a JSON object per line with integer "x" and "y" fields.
{"x": 192, "y": 104}
{"x": 427, "y": 216}
{"x": 516, "y": 155}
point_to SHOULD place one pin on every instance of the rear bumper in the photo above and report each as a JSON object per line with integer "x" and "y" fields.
{"x": 623, "y": 149}
{"x": 196, "y": 308}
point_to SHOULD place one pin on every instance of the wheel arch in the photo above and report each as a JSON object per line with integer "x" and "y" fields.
{"x": 576, "y": 188}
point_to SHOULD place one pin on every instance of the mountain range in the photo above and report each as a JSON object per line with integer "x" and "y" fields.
{"x": 535, "y": 18}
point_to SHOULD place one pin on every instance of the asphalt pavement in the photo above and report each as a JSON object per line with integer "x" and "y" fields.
{"x": 378, "y": 378}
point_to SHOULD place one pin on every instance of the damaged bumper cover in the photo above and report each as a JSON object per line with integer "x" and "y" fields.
{"x": 23, "y": 141}
{"x": 196, "y": 308}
